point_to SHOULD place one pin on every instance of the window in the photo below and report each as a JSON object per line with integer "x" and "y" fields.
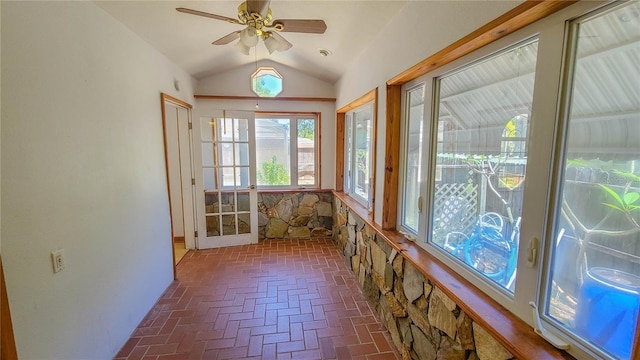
{"x": 266, "y": 82}
{"x": 480, "y": 157}
{"x": 593, "y": 290}
{"x": 359, "y": 149}
{"x": 412, "y": 176}
{"x": 530, "y": 146}
{"x": 285, "y": 159}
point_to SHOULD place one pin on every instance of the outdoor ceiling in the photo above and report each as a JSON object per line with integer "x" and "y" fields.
{"x": 186, "y": 39}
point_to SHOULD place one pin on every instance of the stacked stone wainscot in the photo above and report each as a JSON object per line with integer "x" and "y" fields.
{"x": 423, "y": 321}
{"x": 301, "y": 214}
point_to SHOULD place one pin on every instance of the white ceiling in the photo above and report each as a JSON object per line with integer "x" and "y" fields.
{"x": 186, "y": 39}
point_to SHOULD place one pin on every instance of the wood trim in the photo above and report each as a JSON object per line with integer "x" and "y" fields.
{"x": 256, "y": 98}
{"x": 165, "y": 97}
{"x": 368, "y": 97}
{"x": 8, "y": 342}
{"x": 371, "y": 96}
{"x": 318, "y": 156}
{"x": 525, "y": 14}
{"x": 292, "y": 191}
{"x": 340, "y": 126}
{"x": 287, "y": 113}
{"x": 374, "y": 142}
{"x": 511, "y": 332}
{"x": 392, "y": 158}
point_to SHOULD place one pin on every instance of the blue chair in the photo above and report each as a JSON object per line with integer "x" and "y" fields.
{"x": 488, "y": 250}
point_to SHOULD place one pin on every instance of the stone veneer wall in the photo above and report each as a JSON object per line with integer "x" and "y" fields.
{"x": 301, "y": 214}
{"x": 424, "y": 323}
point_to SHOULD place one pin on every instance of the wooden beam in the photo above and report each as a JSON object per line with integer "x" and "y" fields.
{"x": 340, "y": 125}
{"x": 374, "y": 141}
{"x": 392, "y": 158}
{"x": 165, "y": 97}
{"x": 368, "y": 97}
{"x": 256, "y": 98}
{"x": 525, "y": 14}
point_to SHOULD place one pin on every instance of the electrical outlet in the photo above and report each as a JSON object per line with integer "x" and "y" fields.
{"x": 57, "y": 257}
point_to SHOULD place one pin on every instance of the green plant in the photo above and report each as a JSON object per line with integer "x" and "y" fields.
{"x": 625, "y": 203}
{"x": 273, "y": 173}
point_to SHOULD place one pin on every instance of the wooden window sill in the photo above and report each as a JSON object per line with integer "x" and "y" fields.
{"x": 510, "y": 331}
{"x": 289, "y": 191}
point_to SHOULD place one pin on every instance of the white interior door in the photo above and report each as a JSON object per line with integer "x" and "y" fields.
{"x": 226, "y": 196}
{"x": 177, "y": 117}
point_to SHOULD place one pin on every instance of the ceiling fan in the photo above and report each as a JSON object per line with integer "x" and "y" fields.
{"x": 256, "y": 16}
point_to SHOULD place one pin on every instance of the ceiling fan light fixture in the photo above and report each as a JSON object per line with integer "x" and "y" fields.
{"x": 271, "y": 44}
{"x": 249, "y": 36}
{"x": 242, "y": 47}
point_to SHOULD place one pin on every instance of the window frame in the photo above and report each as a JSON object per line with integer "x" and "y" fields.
{"x": 513, "y": 302}
{"x": 293, "y": 148}
{"x": 269, "y": 71}
{"x": 404, "y": 151}
{"x": 557, "y": 180}
{"x": 351, "y": 155}
{"x": 551, "y": 57}
{"x": 342, "y": 162}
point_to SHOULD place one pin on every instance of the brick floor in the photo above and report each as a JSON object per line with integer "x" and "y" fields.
{"x": 279, "y": 299}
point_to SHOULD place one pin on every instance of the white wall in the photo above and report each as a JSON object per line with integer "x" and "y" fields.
{"x": 83, "y": 170}
{"x": 237, "y": 82}
{"x": 418, "y": 30}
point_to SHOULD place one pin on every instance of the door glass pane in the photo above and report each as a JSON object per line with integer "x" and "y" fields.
{"x": 242, "y": 154}
{"x": 243, "y": 177}
{"x": 228, "y": 224}
{"x": 273, "y": 157}
{"x": 213, "y": 225}
{"x": 241, "y": 130}
{"x": 362, "y": 141}
{"x": 243, "y": 201}
{"x": 412, "y": 176}
{"x": 225, "y": 151}
{"x": 306, "y": 151}
{"x": 244, "y": 223}
{"x": 228, "y": 202}
{"x": 212, "y": 203}
{"x": 480, "y": 161}
{"x": 209, "y": 178}
{"x": 225, "y": 129}
{"x": 594, "y": 287}
{"x": 207, "y": 154}
{"x": 228, "y": 177}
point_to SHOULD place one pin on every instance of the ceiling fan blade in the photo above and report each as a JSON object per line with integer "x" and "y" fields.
{"x": 258, "y": 6}
{"x": 283, "y": 43}
{"x": 302, "y": 26}
{"x": 205, "y": 14}
{"x": 227, "y": 38}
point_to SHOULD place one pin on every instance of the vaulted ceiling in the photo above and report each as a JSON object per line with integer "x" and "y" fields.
{"x": 186, "y": 39}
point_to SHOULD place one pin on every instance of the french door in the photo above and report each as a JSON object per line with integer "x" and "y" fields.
{"x": 226, "y": 196}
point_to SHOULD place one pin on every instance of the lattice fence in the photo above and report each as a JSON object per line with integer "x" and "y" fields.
{"x": 455, "y": 209}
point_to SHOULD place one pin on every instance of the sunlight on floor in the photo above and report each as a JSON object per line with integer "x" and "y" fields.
{"x": 179, "y": 250}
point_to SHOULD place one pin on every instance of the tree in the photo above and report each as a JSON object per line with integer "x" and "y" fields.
{"x": 273, "y": 173}
{"x": 306, "y": 128}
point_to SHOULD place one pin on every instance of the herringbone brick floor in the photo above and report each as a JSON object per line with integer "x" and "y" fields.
{"x": 279, "y": 299}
